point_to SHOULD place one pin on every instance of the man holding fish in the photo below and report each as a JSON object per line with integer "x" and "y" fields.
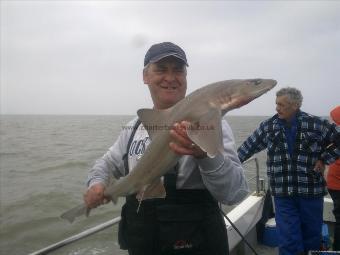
{"x": 174, "y": 210}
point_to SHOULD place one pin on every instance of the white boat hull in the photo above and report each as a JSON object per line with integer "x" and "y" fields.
{"x": 246, "y": 215}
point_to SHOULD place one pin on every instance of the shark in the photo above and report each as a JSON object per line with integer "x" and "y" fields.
{"x": 203, "y": 109}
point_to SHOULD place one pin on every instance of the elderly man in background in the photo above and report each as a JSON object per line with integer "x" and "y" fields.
{"x": 298, "y": 145}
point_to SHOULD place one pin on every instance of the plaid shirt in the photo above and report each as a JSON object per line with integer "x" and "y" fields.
{"x": 293, "y": 174}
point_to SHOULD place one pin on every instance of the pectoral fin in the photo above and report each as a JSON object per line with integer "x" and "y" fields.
{"x": 207, "y": 132}
{"x": 154, "y": 190}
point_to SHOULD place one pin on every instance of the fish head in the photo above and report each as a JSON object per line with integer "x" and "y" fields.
{"x": 241, "y": 92}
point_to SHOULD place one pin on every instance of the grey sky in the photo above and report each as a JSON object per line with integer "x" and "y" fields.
{"x": 86, "y": 57}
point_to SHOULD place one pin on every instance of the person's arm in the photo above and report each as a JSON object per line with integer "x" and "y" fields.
{"x": 253, "y": 144}
{"x": 110, "y": 166}
{"x": 223, "y": 175}
{"x": 331, "y": 143}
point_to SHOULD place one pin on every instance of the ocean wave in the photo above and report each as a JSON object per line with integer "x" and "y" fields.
{"x": 6, "y": 154}
{"x": 69, "y": 164}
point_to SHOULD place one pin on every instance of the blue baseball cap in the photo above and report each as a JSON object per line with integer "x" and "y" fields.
{"x": 163, "y": 50}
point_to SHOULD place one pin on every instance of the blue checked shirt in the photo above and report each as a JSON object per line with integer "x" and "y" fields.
{"x": 293, "y": 174}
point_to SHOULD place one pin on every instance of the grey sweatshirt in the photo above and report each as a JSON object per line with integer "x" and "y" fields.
{"x": 222, "y": 175}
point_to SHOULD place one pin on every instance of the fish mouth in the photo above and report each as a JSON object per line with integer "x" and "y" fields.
{"x": 263, "y": 87}
{"x": 260, "y": 92}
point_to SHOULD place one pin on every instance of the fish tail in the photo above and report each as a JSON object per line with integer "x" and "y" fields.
{"x": 75, "y": 212}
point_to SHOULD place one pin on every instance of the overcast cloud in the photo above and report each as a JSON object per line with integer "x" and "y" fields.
{"x": 86, "y": 57}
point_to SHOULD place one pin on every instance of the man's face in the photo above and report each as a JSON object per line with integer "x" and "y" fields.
{"x": 167, "y": 81}
{"x": 285, "y": 109}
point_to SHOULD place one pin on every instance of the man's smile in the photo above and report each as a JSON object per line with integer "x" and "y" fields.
{"x": 169, "y": 87}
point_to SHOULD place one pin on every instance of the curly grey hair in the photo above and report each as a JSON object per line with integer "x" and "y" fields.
{"x": 294, "y": 95}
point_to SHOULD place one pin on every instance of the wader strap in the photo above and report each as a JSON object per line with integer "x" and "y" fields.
{"x": 170, "y": 180}
{"x": 126, "y": 155}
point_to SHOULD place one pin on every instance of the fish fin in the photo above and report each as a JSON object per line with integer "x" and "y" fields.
{"x": 155, "y": 190}
{"x": 139, "y": 204}
{"x": 207, "y": 132}
{"x": 154, "y": 120}
{"x": 114, "y": 200}
{"x": 75, "y": 212}
{"x": 88, "y": 210}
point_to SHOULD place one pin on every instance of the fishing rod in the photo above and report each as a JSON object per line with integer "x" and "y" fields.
{"x": 236, "y": 229}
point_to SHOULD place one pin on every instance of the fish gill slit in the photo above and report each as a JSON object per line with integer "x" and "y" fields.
{"x": 224, "y": 100}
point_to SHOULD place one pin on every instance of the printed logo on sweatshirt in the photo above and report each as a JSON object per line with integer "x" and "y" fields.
{"x": 138, "y": 147}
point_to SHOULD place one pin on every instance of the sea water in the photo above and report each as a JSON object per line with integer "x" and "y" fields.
{"x": 44, "y": 161}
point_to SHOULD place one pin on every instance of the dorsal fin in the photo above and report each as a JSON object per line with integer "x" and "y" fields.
{"x": 154, "y": 120}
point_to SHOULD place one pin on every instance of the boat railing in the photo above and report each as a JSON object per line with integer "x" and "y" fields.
{"x": 77, "y": 237}
{"x": 105, "y": 225}
{"x": 260, "y": 186}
